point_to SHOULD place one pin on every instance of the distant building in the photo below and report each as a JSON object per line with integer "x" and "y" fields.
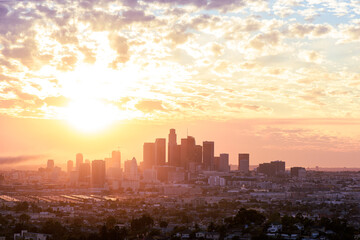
{"x": 50, "y": 164}
{"x": 149, "y": 155}
{"x": 160, "y": 151}
{"x": 187, "y": 153}
{"x": 244, "y": 161}
{"x": 113, "y": 166}
{"x": 116, "y": 159}
{"x": 224, "y": 163}
{"x": 70, "y": 166}
{"x": 98, "y": 173}
{"x": 173, "y": 154}
{"x": 25, "y": 235}
{"x": 84, "y": 173}
{"x": 208, "y": 155}
{"x": 298, "y": 172}
{"x": 131, "y": 169}
{"x": 272, "y": 169}
{"x": 79, "y": 160}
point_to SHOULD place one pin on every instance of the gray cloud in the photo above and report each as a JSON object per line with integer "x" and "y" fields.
{"x": 19, "y": 159}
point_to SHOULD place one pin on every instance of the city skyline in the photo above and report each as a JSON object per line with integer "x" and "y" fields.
{"x": 279, "y": 79}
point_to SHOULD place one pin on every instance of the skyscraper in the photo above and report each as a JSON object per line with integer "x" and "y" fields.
{"x": 187, "y": 153}
{"x": 149, "y": 155}
{"x": 79, "y": 160}
{"x": 84, "y": 173}
{"x": 116, "y": 159}
{"x": 160, "y": 151}
{"x": 224, "y": 162}
{"x": 70, "y": 165}
{"x": 208, "y": 155}
{"x": 131, "y": 169}
{"x": 244, "y": 159}
{"x": 98, "y": 173}
{"x": 172, "y": 148}
{"x": 50, "y": 164}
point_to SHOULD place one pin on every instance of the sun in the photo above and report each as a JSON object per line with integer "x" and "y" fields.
{"x": 90, "y": 115}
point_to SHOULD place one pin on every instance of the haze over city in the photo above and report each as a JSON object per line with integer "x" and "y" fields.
{"x": 277, "y": 79}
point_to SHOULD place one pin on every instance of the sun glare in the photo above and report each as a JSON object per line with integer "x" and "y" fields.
{"x": 90, "y": 115}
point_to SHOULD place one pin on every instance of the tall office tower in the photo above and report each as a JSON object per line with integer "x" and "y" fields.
{"x": 149, "y": 155}
{"x": 131, "y": 169}
{"x": 98, "y": 173}
{"x": 216, "y": 163}
{"x": 70, "y": 165}
{"x": 84, "y": 173}
{"x": 279, "y": 167}
{"x": 198, "y": 154}
{"x": 50, "y": 164}
{"x": 272, "y": 169}
{"x": 160, "y": 151}
{"x": 244, "y": 159}
{"x": 208, "y": 155}
{"x": 172, "y": 144}
{"x": 224, "y": 163}
{"x": 116, "y": 159}
{"x": 79, "y": 160}
{"x": 298, "y": 172}
{"x": 187, "y": 153}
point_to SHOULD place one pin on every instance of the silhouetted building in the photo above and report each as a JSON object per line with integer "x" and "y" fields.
{"x": 79, "y": 160}
{"x": 84, "y": 173}
{"x": 160, "y": 151}
{"x": 98, "y": 173}
{"x": 224, "y": 163}
{"x": 131, "y": 169}
{"x": 70, "y": 166}
{"x": 198, "y": 154}
{"x": 113, "y": 166}
{"x": 50, "y": 164}
{"x": 279, "y": 166}
{"x": 244, "y": 159}
{"x": 298, "y": 172}
{"x": 173, "y": 157}
{"x": 208, "y": 155}
{"x": 187, "y": 152}
{"x": 149, "y": 155}
{"x": 116, "y": 159}
{"x": 272, "y": 169}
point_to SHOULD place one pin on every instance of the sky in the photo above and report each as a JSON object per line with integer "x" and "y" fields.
{"x": 278, "y": 79}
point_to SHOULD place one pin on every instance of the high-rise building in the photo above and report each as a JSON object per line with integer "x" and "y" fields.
{"x": 172, "y": 144}
{"x": 244, "y": 159}
{"x": 79, "y": 160}
{"x": 84, "y": 173}
{"x": 113, "y": 166}
{"x": 70, "y": 165}
{"x": 224, "y": 163}
{"x": 131, "y": 169}
{"x": 149, "y": 155}
{"x": 116, "y": 159}
{"x": 98, "y": 173}
{"x": 208, "y": 155}
{"x": 273, "y": 168}
{"x": 50, "y": 164}
{"x": 187, "y": 152}
{"x": 198, "y": 154}
{"x": 160, "y": 151}
{"x": 298, "y": 172}
{"x": 279, "y": 166}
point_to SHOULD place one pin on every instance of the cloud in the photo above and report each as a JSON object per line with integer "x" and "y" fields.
{"x": 298, "y": 30}
{"x": 149, "y": 106}
{"x": 19, "y": 159}
{"x": 59, "y": 101}
{"x": 311, "y": 56}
